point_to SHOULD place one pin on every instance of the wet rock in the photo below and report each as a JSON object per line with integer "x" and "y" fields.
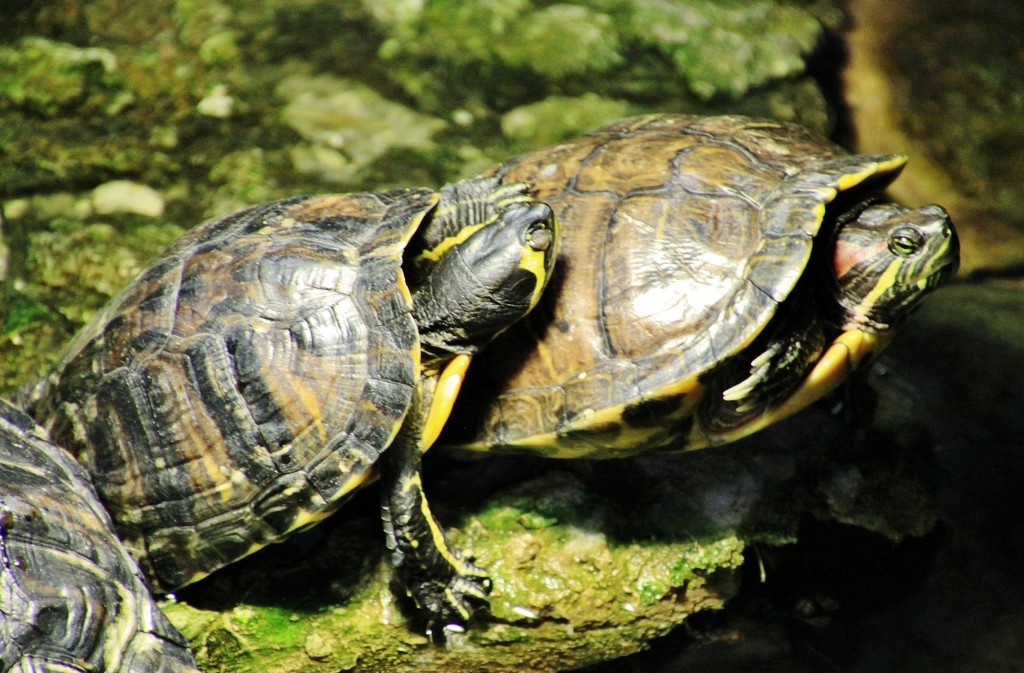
{"x": 952, "y": 383}
{"x": 240, "y": 179}
{"x": 959, "y": 365}
{"x": 563, "y": 40}
{"x": 50, "y": 91}
{"x": 724, "y": 49}
{"x": 317, "y": 647}
{"x": 217, "y": 103}
{"x": 348, "y": 125}
{"x": 48, "y": 207}
{"x": 688, "y": 52}
{"x": 590, "y": 560}
{"x": 93, "y": 261}
{"x": 570, "y": 588}
{"x": 558, "y": 118}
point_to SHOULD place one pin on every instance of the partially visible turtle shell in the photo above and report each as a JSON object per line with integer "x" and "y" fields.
{"x": 261, "y": 365}
{"x": 681, "y": 238}
{"x": 71, "y": 598}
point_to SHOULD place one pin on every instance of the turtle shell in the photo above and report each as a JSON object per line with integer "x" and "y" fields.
{"x": 71, "y": 598}
{"x": 247, "y": 380}
{"x": 681, "y": 237}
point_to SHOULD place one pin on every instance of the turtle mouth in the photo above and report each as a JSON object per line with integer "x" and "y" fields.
{"x": 953, "y": 265}
{"x": 942, "y": 273}
{"x": 945, "y": 273}
{"x": 944, "y": 265}
{"x": 946, "y": 260}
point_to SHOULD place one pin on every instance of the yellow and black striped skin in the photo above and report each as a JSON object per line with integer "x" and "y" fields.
{"x": 682, "y": 237}
{"x": 71, "y": 598}
{"x": 247, "y": 381}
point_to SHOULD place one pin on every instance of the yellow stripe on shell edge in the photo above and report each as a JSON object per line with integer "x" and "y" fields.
{"x": 890, "y": 165}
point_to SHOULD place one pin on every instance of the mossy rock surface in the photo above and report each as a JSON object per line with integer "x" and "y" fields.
{"x": 591, "y": 561}
{"x": 567, "y": 591}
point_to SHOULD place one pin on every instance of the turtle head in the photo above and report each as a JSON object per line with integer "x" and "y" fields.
{"x": 485, "y": 276}
{"x": 887, "y": 258}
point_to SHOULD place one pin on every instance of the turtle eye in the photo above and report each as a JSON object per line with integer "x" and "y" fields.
{"x": 905, "y": 241}
{"x": 539, "y": 238}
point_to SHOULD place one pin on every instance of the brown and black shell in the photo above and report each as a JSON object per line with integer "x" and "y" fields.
{"x": 681, "y": 236}
{"x": 71, "y": 598}
{"x": 247, "y": 381}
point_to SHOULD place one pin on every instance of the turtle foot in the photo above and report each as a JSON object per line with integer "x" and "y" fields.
{"x": 448, "y": 603}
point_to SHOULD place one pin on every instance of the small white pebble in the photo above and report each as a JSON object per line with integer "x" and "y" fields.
{"x": 125, "y": 196}
{"x": 525, "y": 612}
{"x": 463, "y": 117}
{"x": 218, "y": 103}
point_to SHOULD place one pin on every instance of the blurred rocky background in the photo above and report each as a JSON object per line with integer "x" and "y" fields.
{"x": 816, "y": 546}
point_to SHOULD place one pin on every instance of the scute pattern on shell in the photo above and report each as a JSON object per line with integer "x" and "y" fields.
{"x": 71, "y": 598}
{"x": 265, "y": 374}
{"x": 682, "y": 236}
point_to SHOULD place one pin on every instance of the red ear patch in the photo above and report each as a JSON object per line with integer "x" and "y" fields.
{"x": 848, "y": 254}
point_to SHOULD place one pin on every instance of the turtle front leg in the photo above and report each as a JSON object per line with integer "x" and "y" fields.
{"x": 778, "y": 366}
{"x": 475, "y": 279}
{"x": 445, "y": 585}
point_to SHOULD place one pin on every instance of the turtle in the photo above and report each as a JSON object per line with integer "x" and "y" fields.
{"x": 71, "y": 597}
{"x": 718, "y": 274}
{"x": 275, "y": 360}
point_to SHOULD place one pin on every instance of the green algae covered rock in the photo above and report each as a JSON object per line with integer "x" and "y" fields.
{"x": 559, "y": 40}
{"x": 563, "y": 40}
{"x": 717, "y": 48}
{"x": 726, "y": 48}
{"x": 47, "y": 78}
{"x": 559, "y": 118}
{"x": 96, "y": 261}
{"x": 568, "y": 591}
{"x": 166, "y": 89}
{"x": 49, "y": 90}
{"x": 76, "y": 263}
{"x": 590, "y": 560}
{"x": 347, "y": 126}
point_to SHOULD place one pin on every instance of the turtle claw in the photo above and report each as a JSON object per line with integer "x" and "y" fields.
{"x": 471, "y": 582}
{"x": 760, "y": 370}
{"x": 778, "y": 369}
{"x": 446, "y": 589}
{"x": 450, "y": 605}
{"x": 448, "y": 610}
